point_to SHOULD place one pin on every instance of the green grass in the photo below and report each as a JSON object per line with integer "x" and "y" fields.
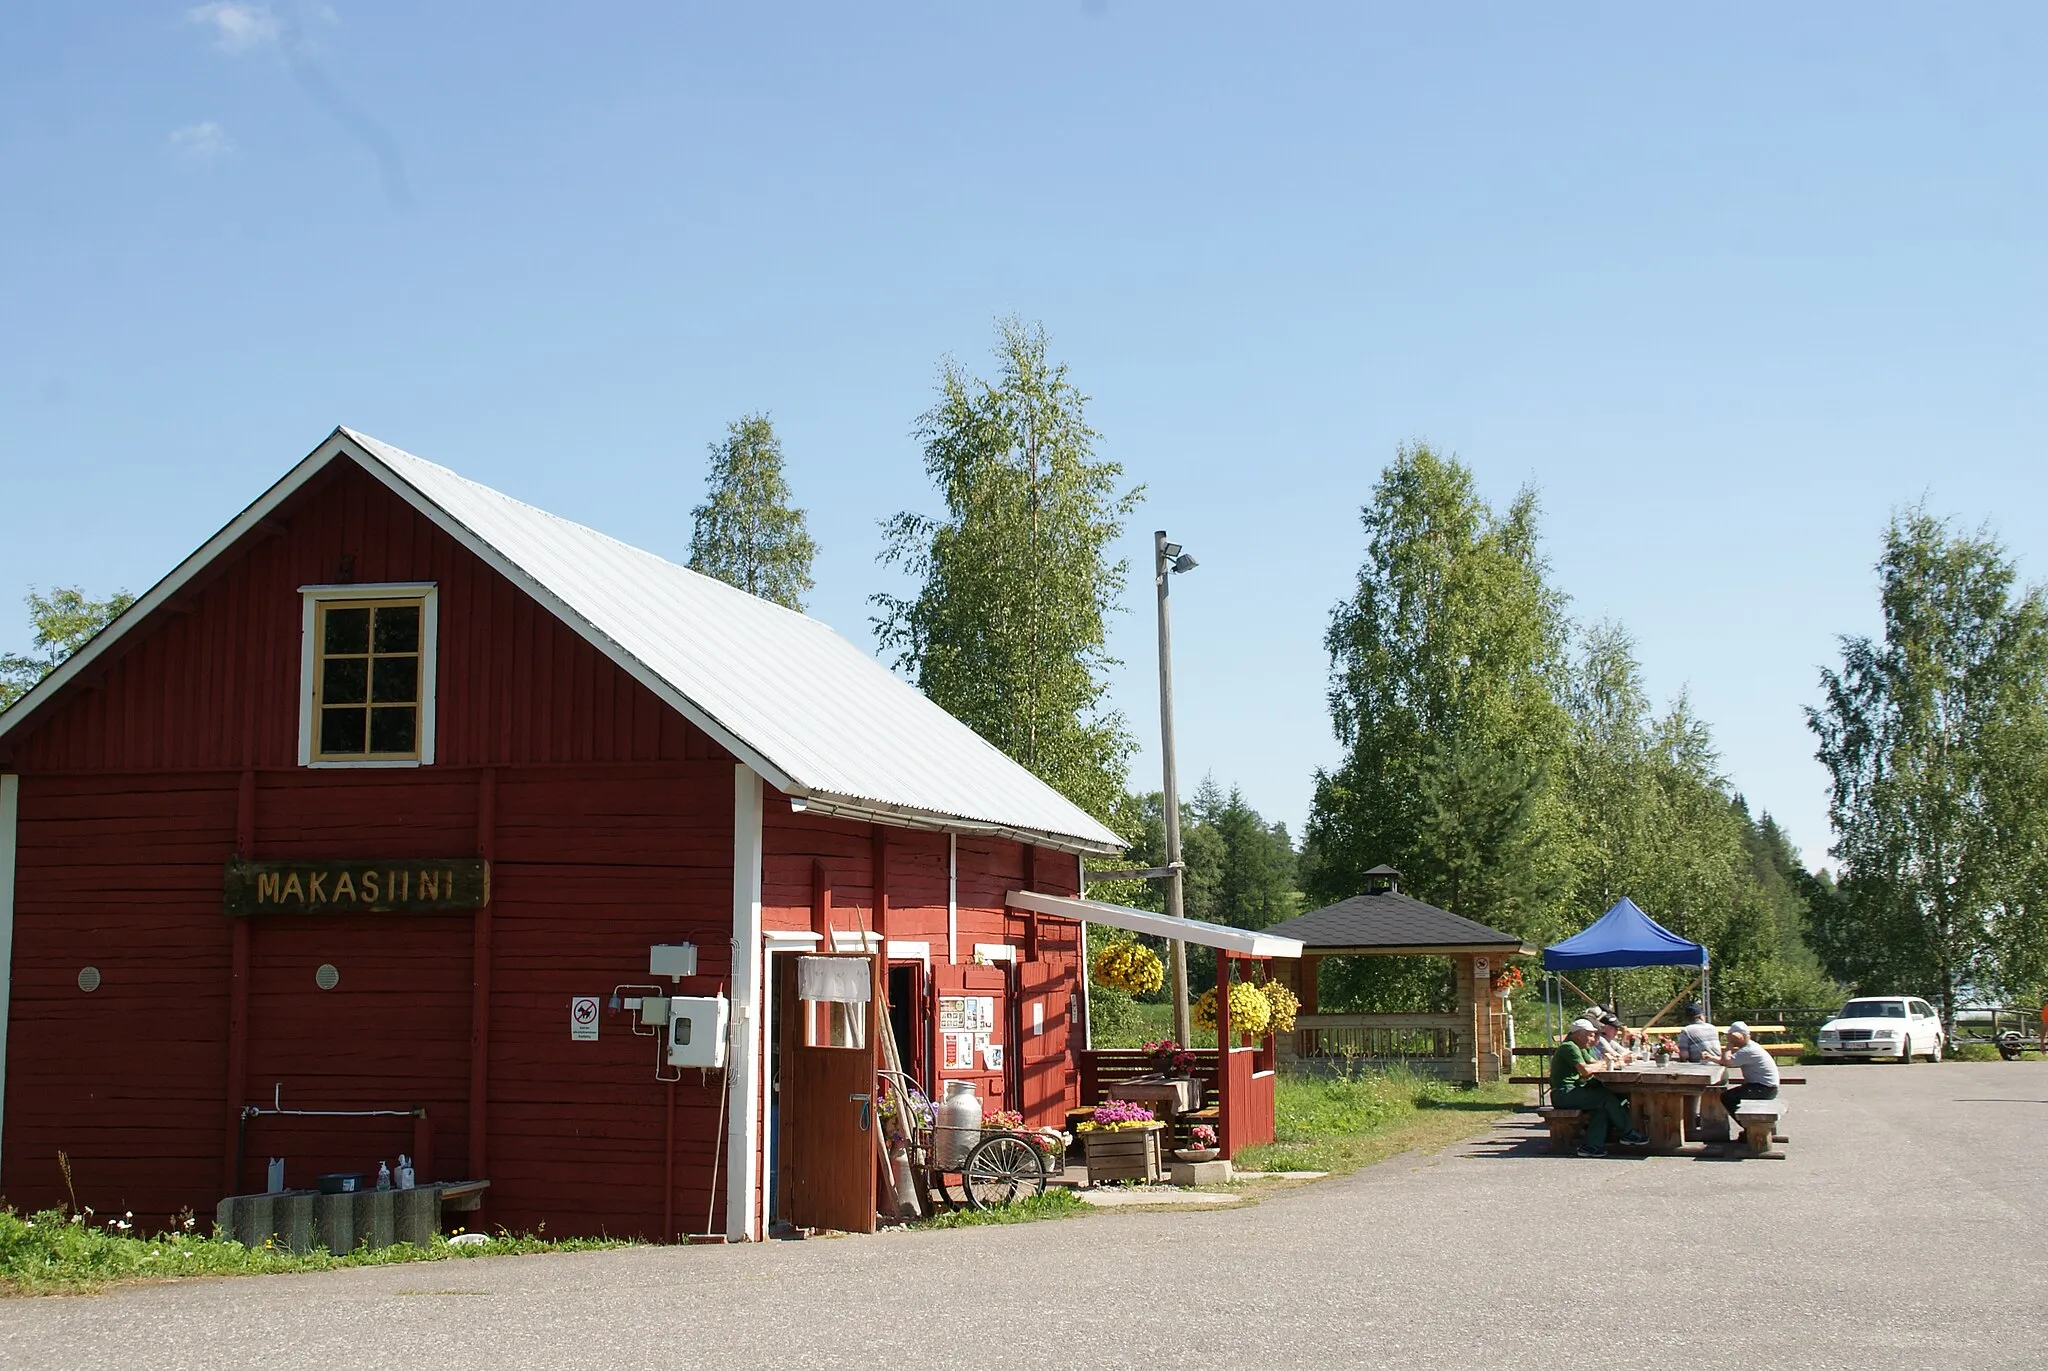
{"x": 1973, "y": 1052}
{"x": 1342, "y": 1122}
{"x": 1150, "y": 1023}
{"x": 1059, "y": 1202}
{"x": 49, "y": 1253}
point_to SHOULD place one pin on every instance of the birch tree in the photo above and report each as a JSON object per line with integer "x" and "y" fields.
{"x": 1015, "y": 577}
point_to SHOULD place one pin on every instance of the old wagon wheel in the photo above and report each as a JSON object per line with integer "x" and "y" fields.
{"x": 1002, "y": 1169}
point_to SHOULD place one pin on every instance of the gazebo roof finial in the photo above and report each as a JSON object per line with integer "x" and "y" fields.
{"x": 1382, "y": 880}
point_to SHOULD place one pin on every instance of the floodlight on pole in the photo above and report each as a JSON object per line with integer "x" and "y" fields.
{"x": 1169, "y": 559}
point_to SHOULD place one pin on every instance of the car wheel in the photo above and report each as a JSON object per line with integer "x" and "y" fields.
{"x": 1935, "y": 1055}
{"x": 1906, "y": 1052}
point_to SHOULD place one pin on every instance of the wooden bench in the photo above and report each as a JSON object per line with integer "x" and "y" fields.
{"x": 1567, "y": 1128}
{"x": 1759, "y": 1120}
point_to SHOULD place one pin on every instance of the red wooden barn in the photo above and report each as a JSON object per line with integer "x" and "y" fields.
{"x": 363, "y": 830}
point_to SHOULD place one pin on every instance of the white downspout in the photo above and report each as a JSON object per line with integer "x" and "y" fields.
{"x": 743, "y": 1070}
{"x": 952, "y": 899}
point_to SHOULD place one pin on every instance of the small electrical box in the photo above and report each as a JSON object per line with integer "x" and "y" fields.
{"x": 696, "y": 1030}
{"x": 653, "y": 1010}
{"x": 673, "y": 960}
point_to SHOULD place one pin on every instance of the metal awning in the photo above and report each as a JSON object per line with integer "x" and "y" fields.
{"x": 1244, "y": 942}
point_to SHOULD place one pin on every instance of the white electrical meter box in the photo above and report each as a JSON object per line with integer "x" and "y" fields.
{"x": 672, "y": 959}
{"x": 696, "y": 1030}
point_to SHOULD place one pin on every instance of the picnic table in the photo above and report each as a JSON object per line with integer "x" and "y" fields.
{"x": 1169, "y": 1096}
{"x": 1661, "y": 1097}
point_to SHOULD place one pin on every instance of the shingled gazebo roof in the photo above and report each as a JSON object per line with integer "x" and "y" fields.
{"x": 1383, "y": 921}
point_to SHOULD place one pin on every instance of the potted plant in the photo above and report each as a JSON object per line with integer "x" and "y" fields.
{"x": 1204, "y": 1149}
{"x": 1170, "y": 1059}
{"x": 1121, "y": 1142}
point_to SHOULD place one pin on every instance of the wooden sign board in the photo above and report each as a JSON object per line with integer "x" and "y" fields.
{"x": 408, "y": 886}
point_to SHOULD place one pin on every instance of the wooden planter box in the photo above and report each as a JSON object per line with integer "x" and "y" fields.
{"x": 1125, "y": 1154}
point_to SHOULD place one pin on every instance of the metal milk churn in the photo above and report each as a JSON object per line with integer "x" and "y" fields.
{"x": 956, "y": 1125}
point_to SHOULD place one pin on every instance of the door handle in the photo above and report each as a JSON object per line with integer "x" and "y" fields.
{"x": 865, "y": 1109}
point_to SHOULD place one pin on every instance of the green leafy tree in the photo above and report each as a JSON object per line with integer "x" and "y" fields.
{"x": 63, "y": 620}
{"x": 1935, "y": 738}
{"x": 747, "y": 532}
{"x": 1445, "y": 662}
{"x": 1015, "y": 578}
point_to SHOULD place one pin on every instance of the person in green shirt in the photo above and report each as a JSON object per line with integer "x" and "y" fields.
{"x": 1574, "y": 1070}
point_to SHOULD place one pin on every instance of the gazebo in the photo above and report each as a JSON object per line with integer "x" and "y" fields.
{"x": 1470, "y": 1044}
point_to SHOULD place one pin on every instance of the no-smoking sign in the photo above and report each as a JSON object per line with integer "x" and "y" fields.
{"x": 583, "y": 1019}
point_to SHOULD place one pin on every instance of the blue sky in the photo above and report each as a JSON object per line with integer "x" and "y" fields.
{"x": 1727, "y": 289}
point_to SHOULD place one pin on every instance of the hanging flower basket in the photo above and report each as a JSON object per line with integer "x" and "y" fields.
{"x": 1130, "y": 967}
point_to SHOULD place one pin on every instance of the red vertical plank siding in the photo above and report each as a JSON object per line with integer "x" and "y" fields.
{"x": 133, "y": 800}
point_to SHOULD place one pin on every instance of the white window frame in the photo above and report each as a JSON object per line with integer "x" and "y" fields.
{"x": 428, "y": 594}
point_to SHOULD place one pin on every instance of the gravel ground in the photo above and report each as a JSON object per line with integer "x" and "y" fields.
{"x": 1903, "y": 1231}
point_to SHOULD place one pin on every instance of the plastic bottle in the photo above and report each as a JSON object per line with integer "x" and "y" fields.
{"x": 383, "y": 1175}
{"x": 402, "y": 1178}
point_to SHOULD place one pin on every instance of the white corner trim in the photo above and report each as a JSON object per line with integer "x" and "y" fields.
{"x": 953, "y": 899}
{"x": 743, "y": 1071}
{"x": 10, "y": 815}
{"x": 430, "y": 658}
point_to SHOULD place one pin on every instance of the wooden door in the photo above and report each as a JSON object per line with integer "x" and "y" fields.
{"x": 982, "y": 992}
{"x": 827, "y": 1104}
{"x": 1044, "y": 992}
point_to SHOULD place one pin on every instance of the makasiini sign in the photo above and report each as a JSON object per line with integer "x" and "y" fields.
{"x": 405, "y": 886}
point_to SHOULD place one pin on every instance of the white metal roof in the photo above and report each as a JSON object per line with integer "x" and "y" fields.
{"x": 820, "y": 719}
{"x": 1221, "y": 936}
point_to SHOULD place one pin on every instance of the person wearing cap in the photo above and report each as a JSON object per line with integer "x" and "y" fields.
{"x": 1575, "y": 1084}
{"x": 1698, "y": 1041}
{"x": 1759, "y": 1068}
{"x": 1608, "y": 1046}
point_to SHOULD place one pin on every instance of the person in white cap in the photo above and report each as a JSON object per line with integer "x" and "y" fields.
{"x": 1759, "y": 1068}
{"x": 1575, "y": 1084}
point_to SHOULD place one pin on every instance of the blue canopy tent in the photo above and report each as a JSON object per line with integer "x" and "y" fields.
{"x": 1625, "y": 937}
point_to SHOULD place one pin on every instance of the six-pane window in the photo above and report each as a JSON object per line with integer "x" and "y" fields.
{"x": 366, "y": 702}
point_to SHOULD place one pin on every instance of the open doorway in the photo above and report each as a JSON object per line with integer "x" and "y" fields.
{"x": 907, "y": 1019}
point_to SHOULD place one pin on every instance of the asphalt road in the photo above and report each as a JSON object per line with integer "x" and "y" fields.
{"x": 1903, "y": 1231}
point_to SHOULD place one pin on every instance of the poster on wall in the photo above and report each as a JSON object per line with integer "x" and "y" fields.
{"x": 959, "y": 1053}
{"x": 953, "y": 1014}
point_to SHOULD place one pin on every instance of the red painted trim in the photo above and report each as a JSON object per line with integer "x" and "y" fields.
{"x": 238, "y": 995}
{"x": 821, "y": 906}
{"x": 1225, "y": 1104}
{"x": 480, "y": 985}
{"x": 880, "y": 882}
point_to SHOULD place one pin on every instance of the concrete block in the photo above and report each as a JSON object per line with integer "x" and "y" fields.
{"x": 292, "y": 1220}
{"x": 417, "y": 1215}
{"x": 254, "y": 1219}
{"x": 376, "y": 1219}
{"x": 334, "y": 1221}
{"x": 1200, "y": 1173}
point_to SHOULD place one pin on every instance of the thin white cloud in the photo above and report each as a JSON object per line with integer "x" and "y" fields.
{"x": 236, "y": 27}
{"x": 205, "y": 141}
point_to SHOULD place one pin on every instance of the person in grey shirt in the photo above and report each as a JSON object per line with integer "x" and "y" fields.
{"x": 1698, "y": 1041}
{"x": 1759, "y": 1068}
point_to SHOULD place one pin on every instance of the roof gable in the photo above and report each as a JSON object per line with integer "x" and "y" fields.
{"x": 817, "y": 717}
{"x": 1388, "y": 920}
